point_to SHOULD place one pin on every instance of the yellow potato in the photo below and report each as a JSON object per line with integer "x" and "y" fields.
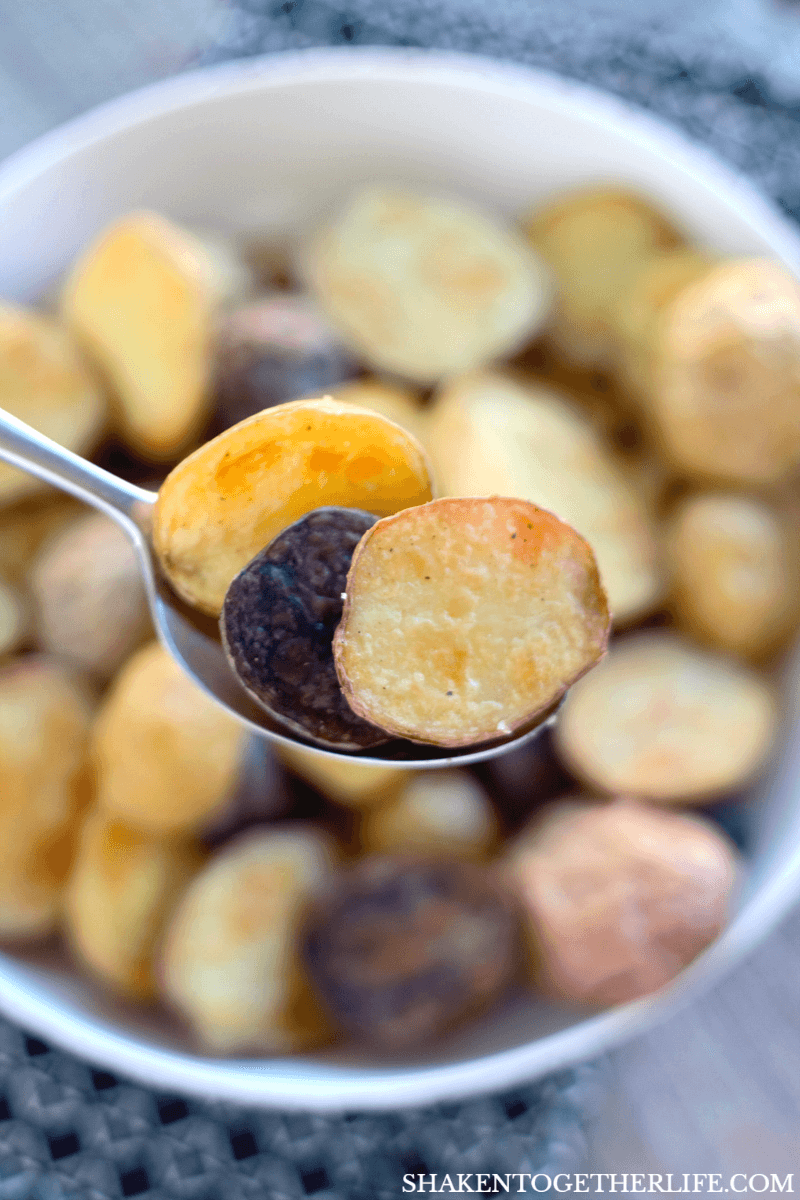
{"x": 123, "y": 886}
{"x": 345, "y": 781}
{"x": 467, "y": 619}
{"x": 91, "y": 606}
{"x": 14, "y": 619}
{"x": 400, "y": 405}
{"x": 618, "y": 897}
{"x": 45, "y": 382}
{"x": 142, "y": 297}
{"x": 490, "y": 435}
{"x": 735, "y": 574}
{"x": 167, "y": 756}
{"x": 664, "y": 720}
{"x": 594, "y": 240}
{"x": 26, "y": 526}
{"x": 437, "y": 813}
{"x": 223, "y": 504}
{"x": 725, "y": 373}
{"x": 44, "y": 784}
{"x": 425, "y": 287}
{"x": 230, "y": 962}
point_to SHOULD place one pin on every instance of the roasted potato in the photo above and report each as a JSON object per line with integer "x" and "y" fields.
{"x": 45, "y": 381}
{"x": 123, "y": 886}
{"x": 425, "y": 287}
{"x": 664, "y": 720}
{"x": 467, "y": 619}
{"x": 167, "y": 757}
{"x": 45, "y": 714}
{"x": 438, "y": 813}
{"x": 230, "y": 961}
{"x": 348, "y": 782}
{"x": 227, "y": 501}
{"x": 618, "y": 898}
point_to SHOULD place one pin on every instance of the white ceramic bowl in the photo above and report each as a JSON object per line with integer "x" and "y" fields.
{"x": 268, "y": 144}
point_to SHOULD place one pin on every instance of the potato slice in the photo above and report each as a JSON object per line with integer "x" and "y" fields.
{"x": 167, "y": 756}
{"x": 142, "y": 298}
{"x": 122, "y": 888}
{"x": 438, "y": 813}
{"x": 725, "y": 391}
{"x": 664, "y": 720}
{"x": 44, "y": 784}
{"x": 45, "y": 382}
{"x": 735, "y": 572}
{"x": 349, "y": 782}
{"x": 490, "y": 435}
{"x": 594, "y": 240}
{"x": 467, "y": 619}
{"x": 230, "y": 961}
{"x": 619, "y": 897}
{"x": 91, "y": 606}
{"x": 27, "y": 525}
{"x": 15, "y": 619}
{"x": 223, "y": 504}
{"x": 425, "y": 287}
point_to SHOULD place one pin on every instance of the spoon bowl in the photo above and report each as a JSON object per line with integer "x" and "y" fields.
{"x": 190, "y": 637}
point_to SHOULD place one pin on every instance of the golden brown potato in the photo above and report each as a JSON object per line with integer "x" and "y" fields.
{"x": 490, "y": 435}
{"x": 594, "y": 240}
{"x": 665, "y": 720}
{"x": 735, "y": 575}
{"x": 230, "y": 961}
{"x": 425, "y": 287}
{"x": 26, "y": 526}
{"x": 467, "y": 619}
{"x": 227, "y": 501}
{"x": 349, "y": 782}
{"x": 167, "y": 756}
{"x": 123, "y": 886}
{"x": 15, "y": 619}
{"x": 635, "y": 319}
{"x": 618, "y": 897}
{"x": 46, "y": 383}
{"x": 91, "y": 606}
{"x": 439, "y": 813}
{"x": 141, "y": 298}
{"x": 44, "y": 784}
{"x": 726, "y": 374}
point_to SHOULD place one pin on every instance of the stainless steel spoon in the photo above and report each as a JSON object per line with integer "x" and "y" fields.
{"x": 191, "y": 638}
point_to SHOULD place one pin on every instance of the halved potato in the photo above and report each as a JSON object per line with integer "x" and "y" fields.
{"x": 735, "y": 571}
{"x": 489, "y": 435}
{"x": 45, "y": 382}
{"x": 664, "y": 720}
{"x": 167, "y": 756}
{"x": 223, "y": 504}
{"x": 44, "y": 786}
{"x": 725, "y": 392}
{"x": 142, "y": 297}
{"x": 231, "y": 962}
{"x": 425, "y": 287}
{"x": 345, "y": 781}
{"x": 123, "y": 887}
{"x": 438, "y": 813}
{"x": 594, "y": 240}
{"x": 466, "y": 619}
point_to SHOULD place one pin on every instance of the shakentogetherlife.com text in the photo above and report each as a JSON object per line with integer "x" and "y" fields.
{"x": 597, "y": 1182}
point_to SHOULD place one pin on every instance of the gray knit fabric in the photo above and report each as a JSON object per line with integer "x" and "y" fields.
{"x": 69, "y": 1132}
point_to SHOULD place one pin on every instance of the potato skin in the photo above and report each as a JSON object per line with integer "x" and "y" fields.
{"x": 477, "y": 544}
{"x": 223, "y": 504}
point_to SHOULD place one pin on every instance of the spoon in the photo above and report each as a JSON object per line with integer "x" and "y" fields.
{"x": 191, "y": 638}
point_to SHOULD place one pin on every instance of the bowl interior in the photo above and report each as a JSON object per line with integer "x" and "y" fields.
{"x": 269, "y": 146}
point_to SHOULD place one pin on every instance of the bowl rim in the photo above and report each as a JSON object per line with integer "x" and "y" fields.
{"x": 301, "y": 1083}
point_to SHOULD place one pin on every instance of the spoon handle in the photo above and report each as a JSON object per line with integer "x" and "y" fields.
{"x": 31, "y": 451}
